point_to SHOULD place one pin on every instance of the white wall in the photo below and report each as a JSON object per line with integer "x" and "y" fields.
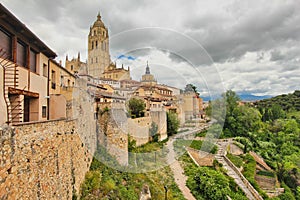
{"x": 3, "y": 109}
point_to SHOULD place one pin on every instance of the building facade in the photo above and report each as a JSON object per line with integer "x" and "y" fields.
{"x": 114, "y": 73}
{"x": 61, "y": 84}
{"x": 24, "y": 70}
{"x": 75, "y": 65}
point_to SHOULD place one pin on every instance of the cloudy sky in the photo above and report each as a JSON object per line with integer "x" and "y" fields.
{"x": 250, "y": 46}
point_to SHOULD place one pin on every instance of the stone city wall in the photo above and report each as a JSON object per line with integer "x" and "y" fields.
{"x": 42, "y": 160}
{"x": 113, "y": 134}
{"x": 160, "y": 118}
{"x": 138, "y": 129}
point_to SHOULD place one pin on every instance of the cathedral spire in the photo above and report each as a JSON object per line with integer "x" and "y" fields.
{"x": 147, "y": 68}
{"x": 99, "y": 16}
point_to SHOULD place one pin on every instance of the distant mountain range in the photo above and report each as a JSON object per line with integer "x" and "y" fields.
{"x": 250, "y": 97}
{"x": 245, "y": 97}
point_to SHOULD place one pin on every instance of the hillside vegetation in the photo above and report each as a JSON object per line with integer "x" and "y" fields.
{"x": 103, "y": 182}
{"x": 288, "y": 102}
{"x": 271, "y": 128}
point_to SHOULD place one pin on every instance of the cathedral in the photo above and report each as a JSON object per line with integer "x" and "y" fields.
{"x": 99, "y": 64}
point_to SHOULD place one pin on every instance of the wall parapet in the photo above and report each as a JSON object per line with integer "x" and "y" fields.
{"x": 43, "y": 160}
{"x": 245, "y": 181}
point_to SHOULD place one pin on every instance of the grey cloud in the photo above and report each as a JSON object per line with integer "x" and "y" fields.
{"x": 227, "y": 30}
{"x": 276, "y": 55}
{"x": 261, "y": 28}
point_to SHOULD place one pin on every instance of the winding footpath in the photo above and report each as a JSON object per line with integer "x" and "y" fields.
{"x": 175, "y": 166}
{"x": 232, "y": 171}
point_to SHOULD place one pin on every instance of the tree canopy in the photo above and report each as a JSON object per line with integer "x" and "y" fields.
{"x": 191, "y": 88}
{"x": 136, "y": 107}
{"x": 172, "y": 123}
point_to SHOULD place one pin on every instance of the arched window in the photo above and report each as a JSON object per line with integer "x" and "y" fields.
{"x": 96, "y": 44}
{"x": 94, "y": 32}
{"x": 92, "y": 44}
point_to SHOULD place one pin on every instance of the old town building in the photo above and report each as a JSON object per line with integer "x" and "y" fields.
{"x": 75, "y": 65}
{"x": 24, "y": 72}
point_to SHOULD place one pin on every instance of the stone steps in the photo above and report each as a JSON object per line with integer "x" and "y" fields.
{"x": 231, "y": 172}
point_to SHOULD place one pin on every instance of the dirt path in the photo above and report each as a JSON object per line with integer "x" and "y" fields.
{"x": 175, "y": 166}
{"x": 180, "y": 180}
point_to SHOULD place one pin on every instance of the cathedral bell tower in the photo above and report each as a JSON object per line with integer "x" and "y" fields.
{"x": 98, "y": 48}
{"x": 148, "y": 78}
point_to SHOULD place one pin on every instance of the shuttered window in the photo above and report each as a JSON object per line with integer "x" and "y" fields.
{"x": 21, "y": 54}
{"x": 5, "y": 43}
{"x": 32, "y": 61}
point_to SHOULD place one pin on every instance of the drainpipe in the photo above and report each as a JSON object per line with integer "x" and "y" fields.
{"x": 48, "y": 99}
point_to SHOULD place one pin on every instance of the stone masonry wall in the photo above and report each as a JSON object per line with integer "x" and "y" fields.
{"x": 138, "y": 129}
{"x": 266, "y": 182}
{"x": 160, "y": 118}
{"x": 45, "y": 160}
{"x": 113, "y": 134}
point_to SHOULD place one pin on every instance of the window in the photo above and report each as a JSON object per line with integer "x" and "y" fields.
{"x": 62, "y": 81}
{"x": 72, "y": 67}
{"x": 96, "y": 44}
{"x": 44, "y": 111}
{"x": 32, "y": 55}
{"x": 53, "y": 77}
{"x": 45, "y": 70}
{"x": 5, "y": 43}
{"x": 92, "y": 44}
{"x": 21, "y": 54}
{"x": 94, "y": 32}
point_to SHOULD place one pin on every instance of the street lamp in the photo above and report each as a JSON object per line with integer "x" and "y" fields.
{"x": 166, "y": 192}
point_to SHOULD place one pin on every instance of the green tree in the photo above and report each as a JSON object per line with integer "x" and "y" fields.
{"x": 244, "y": 121}
{"x": 231, "y": 99}
{"x": 172, "y": 123}
{"x": 191, "y": 88}
{"x": 272, "y": 113}
{"x": 136, "y": 107}
{"x": 209, "y": 184}
{"x": 131, "y": 144}
{"x": 92, "y": 182}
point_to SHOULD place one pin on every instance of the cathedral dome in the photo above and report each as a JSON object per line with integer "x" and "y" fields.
{"x": 98, "y": 22}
